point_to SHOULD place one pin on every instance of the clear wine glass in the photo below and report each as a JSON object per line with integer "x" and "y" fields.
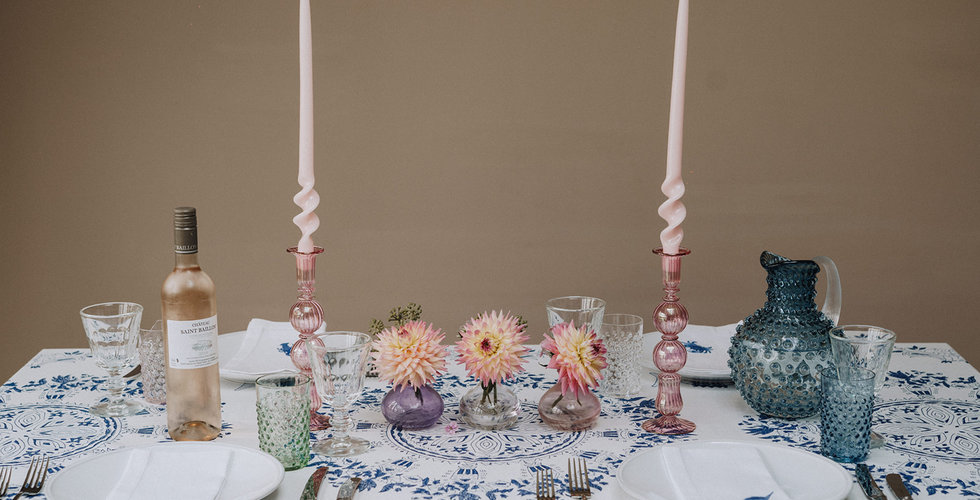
{"x": 868, "y": 347}
{"x": 338, "y": 366}
{"x": 113, "y": 331}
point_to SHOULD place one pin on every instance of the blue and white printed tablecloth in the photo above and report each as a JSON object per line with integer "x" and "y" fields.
{"x": 929, "y": 411}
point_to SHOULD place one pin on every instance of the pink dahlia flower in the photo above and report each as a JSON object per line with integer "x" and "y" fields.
{"x": 410, "y": 354}
{"x": 491, "y": 347}
{"x": 577, "y": 354}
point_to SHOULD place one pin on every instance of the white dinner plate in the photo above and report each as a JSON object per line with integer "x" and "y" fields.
{"x": 228, "y": 345}
{"x": 252, "y": 474}
{"x": 707, "y": 352}
{"x": 802, "y": 474}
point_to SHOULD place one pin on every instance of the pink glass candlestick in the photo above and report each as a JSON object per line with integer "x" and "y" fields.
{"x": 669, "y": 355}
{"x": 306, "y": 316}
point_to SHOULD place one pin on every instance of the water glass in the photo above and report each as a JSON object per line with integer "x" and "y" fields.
{"x": 863, "y": 346}
{"x": 282, "y": 404}
{"x": 846, "y": 401}
{"x": 339, "y": 361}
{"x": 581, "y": 310}
{"x": 113, "y": 330}
{"x": 152, "y": 369}
{"x": 868, "y": 347}
{"x": 622, "y": 335}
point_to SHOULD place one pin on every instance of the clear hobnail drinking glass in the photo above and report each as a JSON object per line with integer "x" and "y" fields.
{"x": 153, "y": 371}
{"x": 113, "y": 329}
{"x": 864, "y": 346}
{"x": 339, "y": 362}
{"x": 846, "y": 401}
{"x": 282, "y": 405}
{"x": 622, "y": 334}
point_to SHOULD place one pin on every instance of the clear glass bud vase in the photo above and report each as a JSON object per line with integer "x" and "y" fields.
{"x": 490, "y": 410}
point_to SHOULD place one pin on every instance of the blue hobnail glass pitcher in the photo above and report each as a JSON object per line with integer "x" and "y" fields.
{"x": 778, "y": 351}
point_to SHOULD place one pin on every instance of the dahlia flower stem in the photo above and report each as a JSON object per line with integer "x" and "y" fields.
{"x": 487, "y": 389}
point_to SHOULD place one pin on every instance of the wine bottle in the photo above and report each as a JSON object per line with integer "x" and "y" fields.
{"x": 190, "y": 317}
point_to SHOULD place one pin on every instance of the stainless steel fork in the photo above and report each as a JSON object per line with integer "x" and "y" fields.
{"x": 578, "y": 478}
{"x": 36, "y": 474}
{"x": 544, "y": 488}
{"x": 5, "y": 473}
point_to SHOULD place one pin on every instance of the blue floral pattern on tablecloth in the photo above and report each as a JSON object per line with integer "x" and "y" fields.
{"x": 928, "y": 410}
{"x": 48, "y": 415}
{"x": 931, "y": 439}
{"x": 472, "y": 464}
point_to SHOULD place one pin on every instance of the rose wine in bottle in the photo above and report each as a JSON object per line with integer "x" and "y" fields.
{"x": 190, "y": 318}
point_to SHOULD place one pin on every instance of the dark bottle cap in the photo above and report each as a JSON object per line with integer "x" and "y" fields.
{"x": 185, "y": 230}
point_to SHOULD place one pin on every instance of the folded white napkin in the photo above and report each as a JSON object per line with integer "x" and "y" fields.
{"x": 707, "y": 348}
{"x": 157, "y": 473}
{"x": 264, "y": 350}
{"x": 732, "y": 472}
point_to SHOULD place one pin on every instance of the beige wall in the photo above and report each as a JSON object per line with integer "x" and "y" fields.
{"x": 489, "y": 155}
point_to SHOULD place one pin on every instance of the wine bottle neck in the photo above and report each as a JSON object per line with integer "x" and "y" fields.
{"x": 185, "y": 260}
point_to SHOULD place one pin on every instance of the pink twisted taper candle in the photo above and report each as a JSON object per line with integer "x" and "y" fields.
{"x": 307, "y": 198}
{"x": 673, "y": 210}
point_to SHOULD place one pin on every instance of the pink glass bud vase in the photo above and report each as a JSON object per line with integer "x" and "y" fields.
{"x": 569, "y": 412}
{"x": 408, "y": 408}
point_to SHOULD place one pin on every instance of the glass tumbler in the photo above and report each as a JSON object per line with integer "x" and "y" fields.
{"x": 846, "y": 401}
{"x": 581, "y": 310}
{"x": 868, "y": 347}
{"x": 282, "y": 405}
{"x": 152, "y": 369}
{"x": 622, "y": 335}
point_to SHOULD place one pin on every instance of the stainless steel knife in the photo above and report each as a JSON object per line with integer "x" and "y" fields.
{"x": 867, "y": 483}
{"x": 312, "y": 487}
{"x": 347, "y": 490}
{"x": 898, "y": 486}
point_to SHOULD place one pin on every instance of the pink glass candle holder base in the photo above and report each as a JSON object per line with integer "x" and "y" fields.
{"x": 669, "y": 355}
{"x": 306, "y": 316}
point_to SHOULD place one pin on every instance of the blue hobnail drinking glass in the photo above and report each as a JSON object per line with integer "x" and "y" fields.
{"x": 846, "y": 401}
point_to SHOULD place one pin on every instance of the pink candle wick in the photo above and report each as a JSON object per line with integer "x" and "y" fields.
{"x": 673, "y": 210}
{"x": 307, "y": 198}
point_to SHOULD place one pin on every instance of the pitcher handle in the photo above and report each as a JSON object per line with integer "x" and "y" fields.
{"x": 832, "y": 302}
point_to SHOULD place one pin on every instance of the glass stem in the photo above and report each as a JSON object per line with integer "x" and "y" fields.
{"x": 341, "y": 424}
{"x": 115, "y": 385}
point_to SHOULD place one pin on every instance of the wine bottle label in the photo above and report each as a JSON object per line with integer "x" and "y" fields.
{"x": 193, "y": 344}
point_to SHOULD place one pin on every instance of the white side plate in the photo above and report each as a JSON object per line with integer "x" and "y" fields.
{"x": 707, "y": 352}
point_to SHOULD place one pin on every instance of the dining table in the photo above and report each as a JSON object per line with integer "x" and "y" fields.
{"x": 928, "y": 411}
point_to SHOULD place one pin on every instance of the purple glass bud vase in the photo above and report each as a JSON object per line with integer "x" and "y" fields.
{"x": 405, "y": 408}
